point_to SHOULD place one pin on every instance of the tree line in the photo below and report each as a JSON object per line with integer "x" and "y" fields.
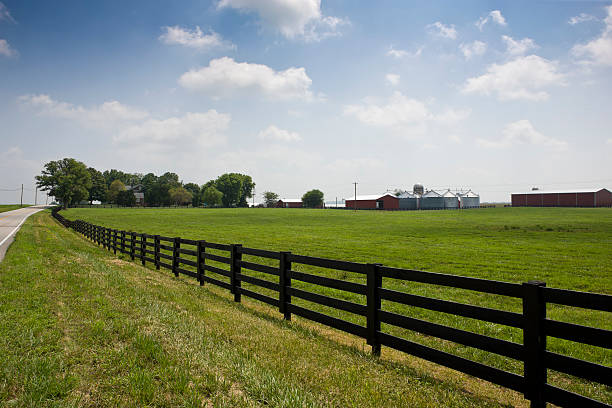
{"x": 72, "y": 182}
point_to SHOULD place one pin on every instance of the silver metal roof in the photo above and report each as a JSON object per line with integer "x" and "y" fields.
{"x": 291, "y": 200}
{"x": 370, "y": 197}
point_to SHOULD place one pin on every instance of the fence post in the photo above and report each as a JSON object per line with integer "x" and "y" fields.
{"x": 175, "y": 255}
{"x": 201, "y": 261}
{"x": 123, "y": 242}
{"x": 284, "y": 274}
{"x": 374, "y": 283}
{"x": 236, "y": 257}
{"x": 132, "y": 244}
{"x": 115, "y": 242}
{"x": 534, "y": 341}
{"x": 143, "y": 248}
{"x": 156, "y": 252}
{"x": 107, "y": 238}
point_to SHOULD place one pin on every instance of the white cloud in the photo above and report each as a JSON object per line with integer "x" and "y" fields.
{"x": 599, "y": 50}
{"x": 13, "y": 158}
{"x": 494, "y": 16}
{"x": 192, "y": 131}
{"x": 518, "y": 47}
{"x": 473, "y": 49}
{"x": 274, "y": 133}
{"x": 224, "y": 77}
{"x": 292, "y": 18}
{"x": 107, "y": 114}
{"x": 5, "y": 14}
{"x": 392, "y": 79}
{"x": 401, "y": 111}
{"x": 521, "y": 78}
{"x": 522, "y": 132}
{"x": 581, "y": 18}
{"x": 6, "y": 49}
{"x": 193, "y": 38}
{"x": 403, "y": 53}
{"x": 442, "y": 30}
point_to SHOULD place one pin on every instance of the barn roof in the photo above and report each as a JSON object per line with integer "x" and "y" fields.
{"x": 577, "y": 190}
{"x": 370, "y": 197}
{"x": 290, "y": 200}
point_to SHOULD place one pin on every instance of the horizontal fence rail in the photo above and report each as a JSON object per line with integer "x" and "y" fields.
{"x": 222, "y": 265}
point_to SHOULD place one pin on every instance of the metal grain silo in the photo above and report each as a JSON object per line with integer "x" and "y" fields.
{"x": 418, "y": 189}
{"x": 451, "y": 201}
{"x": 408, "y": 201}
{"x": 432, "y": 201}
{"x": 470, "y": 200}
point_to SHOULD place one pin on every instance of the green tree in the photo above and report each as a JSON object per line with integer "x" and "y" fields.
{"x": 98, "y": 189}
{"x": 236, "y": 188}
{"x": 68, "y": 180}
{"x": 113, "y": 190}
{"x": 313, "y": 199}
{"x": 246, "y": 191}
{"x": 180, "y": 196}
{"x": 196, "y": 193}
{"x": 126, "y": 198}
{"x": 212, "y": 197}
{"x": 270, "y": 199}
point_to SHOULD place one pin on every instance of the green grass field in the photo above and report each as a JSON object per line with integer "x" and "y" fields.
{"x": 567, "y": 248}
{"x": 83, "y": 328}
{"x": 10, "y": 207}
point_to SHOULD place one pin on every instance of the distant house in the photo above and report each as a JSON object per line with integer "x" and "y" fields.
{"x": 589, "y": 197}
{"x": 289, "y": 203}
{"x": 374, "y": 202}
{"x": 138, "y": 194}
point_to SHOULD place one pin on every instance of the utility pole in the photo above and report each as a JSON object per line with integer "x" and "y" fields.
{"x": 336, "y": 202}
{"x": 254, "y": 197}
{"x": 36, "y": 196}
{"x": 355, "y": 183}
{"x": 47, "y": 199}
{"x": 21, "y": 195}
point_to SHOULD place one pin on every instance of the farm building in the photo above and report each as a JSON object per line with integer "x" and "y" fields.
{"x": 408, "y": 201}
{"x": 593, "y": 197}
{"x": 469, "y": 199}
{"x": 431, "y": 201}
{"x": 374, "y": 202}
{"x": 450, "y": 200}
{"x": 289, "y": 203}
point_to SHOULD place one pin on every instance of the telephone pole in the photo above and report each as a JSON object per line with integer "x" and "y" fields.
{"x": 21, "y": 195}
{"x": 36, "y": 196}
{"x": 355, "y": 183}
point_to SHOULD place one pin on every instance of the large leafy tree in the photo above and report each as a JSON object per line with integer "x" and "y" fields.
{"x": 114, "y": 189}
{"x": 270, "y": 199}
{"x": 180, "y": 196}
{"x": 236, "y": 189}
{"x": 211, "y": 197}
{"x": 246, "y": 191}
{"x": 68, "y": 180}
{"x": 196, "y": 193}
{"x": 98, "y": 189}
{"x": 313, "y": 199}
{"x": 126, "y": 198}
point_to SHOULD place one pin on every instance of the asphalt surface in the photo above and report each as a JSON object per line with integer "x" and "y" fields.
{"x": 10, "y": 222}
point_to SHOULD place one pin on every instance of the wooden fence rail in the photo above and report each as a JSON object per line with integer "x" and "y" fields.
{"x": 172, "y": 253}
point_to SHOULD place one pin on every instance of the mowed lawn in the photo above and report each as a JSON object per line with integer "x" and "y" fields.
{"x": 80, "y": 327}
{"x": 10, "y": 207}
{"x": 567, "y": 248}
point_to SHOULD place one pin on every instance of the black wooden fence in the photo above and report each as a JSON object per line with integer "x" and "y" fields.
{"x": 189, "y": 257}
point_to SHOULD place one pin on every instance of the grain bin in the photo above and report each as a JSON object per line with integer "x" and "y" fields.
{"x": 450, "y": 200}
{"x": 469, "y": 200}
{"x": 408, "y": 201}
{"x": 432, "y": 200}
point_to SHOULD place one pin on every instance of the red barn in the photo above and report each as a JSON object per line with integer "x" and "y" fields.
{"x": 374, "y": 202}
{"x": 289, "y": 203}
{"x": 591, "y": 197}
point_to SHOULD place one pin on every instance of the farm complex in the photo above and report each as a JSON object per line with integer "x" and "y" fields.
{"x": 593, "y": 197}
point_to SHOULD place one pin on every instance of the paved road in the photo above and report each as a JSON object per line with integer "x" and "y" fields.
{"x": 10, "y": 221}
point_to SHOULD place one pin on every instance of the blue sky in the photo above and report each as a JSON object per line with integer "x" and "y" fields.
{"x": 302, "y": 94}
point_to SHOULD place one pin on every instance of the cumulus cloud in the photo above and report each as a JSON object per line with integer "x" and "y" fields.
{"x": 401, "y": 111}
{"x": 5, "y": 14}
{"x": 392, "y": 79}
{"x": 193, "y": 38}
{"x": 599, "y": 50}
{"x": 441, "y": 30}
{"x": 521, "y": 78}
{"x": 580, "y": 18}
{"x": 104, "y": 115}
{"x": 192, "y": 130}
{"x": 392, "y": 52}
{"x": 276, "y": 134}
{"x": 224, "y": 77}
{"x": 522, "y": 132}
{"x": 6, "y": 49}
{"x": 473, "y": 49}
{"x": 495, "y": 16}
{"x": 293, "y": 18}
{"x": 518, "y": 47}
